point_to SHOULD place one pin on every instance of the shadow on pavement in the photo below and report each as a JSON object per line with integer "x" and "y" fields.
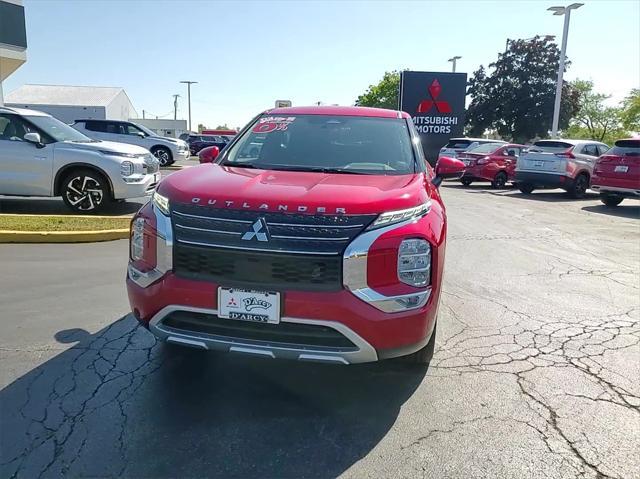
{"x": 553, "y": 196}
{"x": 120, "y": 404}
{"x": 55, "y": 206}
{"x": 623, "y": 211}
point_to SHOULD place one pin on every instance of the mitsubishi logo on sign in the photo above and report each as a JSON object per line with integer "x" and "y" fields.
{"x": 441, "y": 106}
{"x": 258, "y": 231}
{"x": 435, "y": 101}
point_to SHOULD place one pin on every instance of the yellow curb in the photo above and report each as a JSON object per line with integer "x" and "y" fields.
{"x": 179, "y": 167}
{"x": 7, "y": 236}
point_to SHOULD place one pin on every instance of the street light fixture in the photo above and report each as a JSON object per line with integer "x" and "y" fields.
{"x": 453, "y": 60}
{"x": 566, "y": 11}
{"x": 189, "y": 83}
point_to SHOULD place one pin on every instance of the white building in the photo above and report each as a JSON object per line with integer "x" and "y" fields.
{"x": 70, "y": 103}
{"x": 162, "y": 126}
{"x": 13, "y": 39}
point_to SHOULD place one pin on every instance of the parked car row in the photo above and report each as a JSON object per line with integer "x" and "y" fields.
{"x": 42, "y": 156}
{"x": 166, "y": 150}
{"x": 573, "y": 165}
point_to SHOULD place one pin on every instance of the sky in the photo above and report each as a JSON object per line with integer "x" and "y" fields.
{"x": 246, "y": 55}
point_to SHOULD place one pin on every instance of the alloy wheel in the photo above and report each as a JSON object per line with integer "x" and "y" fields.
{"x": 162, "y": 155}
{"x": 84, "y": 193}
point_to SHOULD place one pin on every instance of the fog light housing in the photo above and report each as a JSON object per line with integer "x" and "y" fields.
{"x": 414, "y": 262}
{"x": 137, "y": 239}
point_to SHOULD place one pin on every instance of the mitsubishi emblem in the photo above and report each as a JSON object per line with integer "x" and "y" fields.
{"x": 258, "y": 231}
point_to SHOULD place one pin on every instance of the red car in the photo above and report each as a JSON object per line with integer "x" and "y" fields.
{"x": 617, "y": 173}
{"x": 318, "y": 234}
{"x": 494, "y": 162}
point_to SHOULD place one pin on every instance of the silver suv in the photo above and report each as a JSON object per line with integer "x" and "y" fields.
{"x": 41, "y": 156}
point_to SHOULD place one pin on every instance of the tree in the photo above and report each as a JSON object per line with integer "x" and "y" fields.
{"x": 384, "y": 94}
{"x": 201, "y": 127}
{"x": 594, "y": 120}
{"x": 516, "y": 96}
{"x": 222, "y": 127}
{"x": 630, "y": 114}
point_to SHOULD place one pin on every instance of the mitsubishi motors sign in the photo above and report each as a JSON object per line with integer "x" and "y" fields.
{"x": 435, "y": 101}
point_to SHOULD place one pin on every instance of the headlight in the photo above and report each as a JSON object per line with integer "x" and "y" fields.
{"x": 137, "y": 239}
{"x": 414, "y": 262}
{"x": 127, "y": 168}
{"x": 392, "y": 217}
{"x": 161, "y": 202}
{"x": 117, "y": 153}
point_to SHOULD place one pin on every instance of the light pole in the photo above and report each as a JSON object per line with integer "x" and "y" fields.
{"x": 175, "y": 106}
{"x": 566, "y": 11}
{"x": 453, "y": 60}
{"x": 189, "y": 83}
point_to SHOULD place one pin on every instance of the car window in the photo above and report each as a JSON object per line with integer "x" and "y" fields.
{"x": 485, "y": 148}
{"x": 602, "y": 149}
{"x": 550, "y": 146}
{"x": 591, "y": 150}
{"x": 13, "y": 128}
{"x": 129, "y": 129}
{"x": 458, "y": 144}
{"x": 98, "y": 126}
{"x": 624, "y": 148}
{"x": 512, "y": 151}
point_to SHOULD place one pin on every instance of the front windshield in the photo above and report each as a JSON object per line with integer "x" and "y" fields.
{"x": 57, "y": 130}
{"x": 486, "y": 148}
{"x": 338, "y": 144}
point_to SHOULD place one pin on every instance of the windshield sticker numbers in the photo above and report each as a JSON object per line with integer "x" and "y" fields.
{"x": 273, "y": 123}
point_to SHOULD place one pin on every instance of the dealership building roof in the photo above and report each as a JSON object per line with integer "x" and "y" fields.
{"x": 64, "y": 95}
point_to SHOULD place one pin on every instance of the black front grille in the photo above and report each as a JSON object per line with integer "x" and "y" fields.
{"x": 283, "y": 333}
{"x": 283, "y": 232}
{"x": 260, "y": 270}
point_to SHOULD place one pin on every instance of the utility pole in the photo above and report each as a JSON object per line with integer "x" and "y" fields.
{"x": 566, "y": 11}
{"x": 175, "y": 106}
{"x": 143, "y": 114}
{"x": 454, "y": 60}
{"x": 189, "y": 83}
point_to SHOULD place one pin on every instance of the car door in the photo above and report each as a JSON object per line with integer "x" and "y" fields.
{"x": 25, "y": 169}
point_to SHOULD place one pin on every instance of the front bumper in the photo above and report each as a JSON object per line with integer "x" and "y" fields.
{"x": 123, "y": 190}
{"x": 380, "y": 323}
{"x": 182, "y": 154}
{"x": 543, "y": 180}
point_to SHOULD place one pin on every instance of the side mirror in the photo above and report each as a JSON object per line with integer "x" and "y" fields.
{"x": 447, "y": 168}
{"x": 35, "y": 139}
{"x": 208, "y": 154}
{"x": 141, "y": 135}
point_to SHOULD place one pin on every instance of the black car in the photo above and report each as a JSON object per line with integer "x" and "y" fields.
{"x": 198, "y": 142}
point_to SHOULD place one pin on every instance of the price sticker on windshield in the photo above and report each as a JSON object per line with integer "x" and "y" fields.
{"x": 273, "y": 123}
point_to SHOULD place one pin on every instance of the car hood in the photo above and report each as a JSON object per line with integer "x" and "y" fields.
{"x": 299, "y": 192}
{"x": 104, "y": 146}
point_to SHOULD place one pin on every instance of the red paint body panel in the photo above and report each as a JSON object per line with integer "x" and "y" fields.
{"x": 250, "y": 189}
{"x": 489, "y": 168}
{"x": 604, "y": 174}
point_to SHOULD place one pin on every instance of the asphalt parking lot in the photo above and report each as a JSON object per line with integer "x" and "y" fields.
{"x": 535, "y": 373}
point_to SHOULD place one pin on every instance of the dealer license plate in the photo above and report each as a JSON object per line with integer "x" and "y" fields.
{"x": 248, "y": 305}
{"x": 621, "y": 169}
{"x": 538, "y": 164}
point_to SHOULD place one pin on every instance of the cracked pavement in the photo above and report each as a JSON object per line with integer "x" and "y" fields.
{"x": 536, "y": 372}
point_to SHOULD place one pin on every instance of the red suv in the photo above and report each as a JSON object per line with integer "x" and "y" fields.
{"x": 317, "y": 234}
{"x": 617, "y": 173}
{"x": 494, "y": 162}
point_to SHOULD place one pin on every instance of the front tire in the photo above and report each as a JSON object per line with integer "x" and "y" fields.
{"x": 163, "y": 155}
{"x": 611, "y": 201}
{"x": 500, "y": 181}
{"x": 579, "y": 186}
{"x": 526, "y": 188}
{"x": 85, "y": 191}
{"x": 466, "y": 181}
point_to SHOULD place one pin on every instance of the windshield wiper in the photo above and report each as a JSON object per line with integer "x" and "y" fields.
{"x": 242, "y": 164}
{"x": 318, "y": 169}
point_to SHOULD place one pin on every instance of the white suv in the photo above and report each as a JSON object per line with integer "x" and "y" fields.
{"x": 166, "y": 150}
{"x": 41, "y": 156}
